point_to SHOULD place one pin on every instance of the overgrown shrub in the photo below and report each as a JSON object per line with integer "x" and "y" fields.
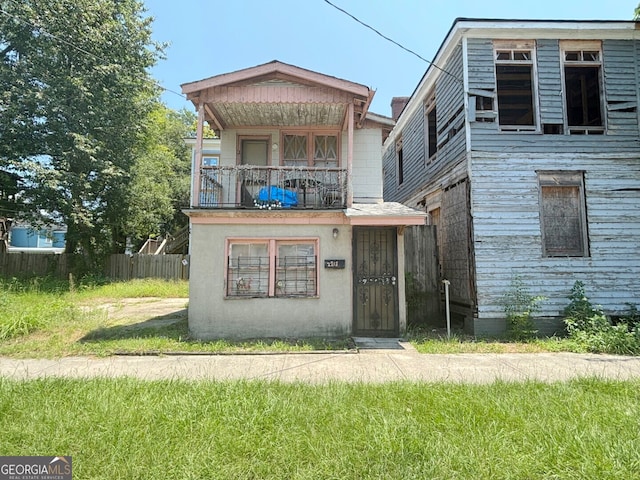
{"x": 519, "y": 306}
{"x": 589, "y": 326}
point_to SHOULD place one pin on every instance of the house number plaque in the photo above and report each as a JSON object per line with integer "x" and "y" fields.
{"x": 334, "y": 263}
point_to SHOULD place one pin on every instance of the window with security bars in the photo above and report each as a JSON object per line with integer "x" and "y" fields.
{"x": 562, "y": 214}
{"x": 296, "y": 270}
{"x": 248, "y": 270}
{"x": 272, "y": 268}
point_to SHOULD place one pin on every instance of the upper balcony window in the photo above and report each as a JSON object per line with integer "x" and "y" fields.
{"x": 582, "y": 68}
{"x": 515, "y": 85}
{"x": 310, "y": 149}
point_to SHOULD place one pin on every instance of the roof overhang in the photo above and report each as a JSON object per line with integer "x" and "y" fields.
{"x": 277, "y": 95}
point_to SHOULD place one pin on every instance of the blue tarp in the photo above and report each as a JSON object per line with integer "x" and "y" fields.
{"x": 287, "y": 198}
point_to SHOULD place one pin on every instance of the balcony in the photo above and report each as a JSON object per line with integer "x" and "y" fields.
{"x": 249, "y": 186}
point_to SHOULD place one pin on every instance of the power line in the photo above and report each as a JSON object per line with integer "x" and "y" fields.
{"x": 76, "y": 47}
{"x": 393, "y": 41}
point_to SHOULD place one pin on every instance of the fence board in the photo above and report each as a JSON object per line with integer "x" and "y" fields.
{"x": 118, "y": 267}
{"x": 423, "y": 279}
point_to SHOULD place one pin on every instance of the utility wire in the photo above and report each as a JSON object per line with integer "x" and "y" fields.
{"x": 393, "y": 41}
{"x": 76, "y": 47}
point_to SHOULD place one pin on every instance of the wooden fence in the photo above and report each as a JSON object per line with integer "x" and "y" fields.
{"x": 422, "y": 276}
{"x": 118, "y": 267}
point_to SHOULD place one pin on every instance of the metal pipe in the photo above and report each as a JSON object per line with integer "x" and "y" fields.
{"x": 446, "y": 299}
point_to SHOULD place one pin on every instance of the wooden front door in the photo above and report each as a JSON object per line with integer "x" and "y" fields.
{"x": 375, "y": 262}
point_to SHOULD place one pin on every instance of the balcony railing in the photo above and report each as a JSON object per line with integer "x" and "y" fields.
{"x": 249, "y": 186}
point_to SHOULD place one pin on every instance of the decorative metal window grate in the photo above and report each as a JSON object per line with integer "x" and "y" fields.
{"x": 296, "y": 276}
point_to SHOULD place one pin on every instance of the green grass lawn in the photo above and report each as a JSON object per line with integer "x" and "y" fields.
{"x": 125, "y": 428}
{"x": 50, "y": 318}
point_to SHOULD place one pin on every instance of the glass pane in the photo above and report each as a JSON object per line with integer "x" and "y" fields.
{"x": 296, "y": 270}
{"x": 572, "y": 56}
{"x": 295, "y": 147}
{"x": 325, "y": 147}
{"x": 522, "y": 55}
{"x": 503, "y": 55}
{"x": 248, "y": 270}
{"x": 591, "y": 56}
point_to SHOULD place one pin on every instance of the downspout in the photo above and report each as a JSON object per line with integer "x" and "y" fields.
{"x": 350, "y": 121}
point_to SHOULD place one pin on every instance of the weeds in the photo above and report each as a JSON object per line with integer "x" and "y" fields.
{"x": 519, "y": 306}
{"x": 589, "y": 326}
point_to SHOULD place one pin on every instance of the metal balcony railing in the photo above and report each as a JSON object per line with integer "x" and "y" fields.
{"x": 249, "y": 186}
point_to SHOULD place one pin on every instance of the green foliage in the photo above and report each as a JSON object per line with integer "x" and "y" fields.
{"x": 589, "y": 326}
{"x": 74, "y": 84}
{"x": 519, "y": 307}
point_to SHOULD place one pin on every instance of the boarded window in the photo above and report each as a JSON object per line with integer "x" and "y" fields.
{"x": 562, "y": 214}
{"x": 515, "y": 86}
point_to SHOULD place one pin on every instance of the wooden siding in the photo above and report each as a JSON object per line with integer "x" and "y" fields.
{"x": 507, "y": 232}
{"x": 419, "y": 171}
{"x": 620, "y": 62}
{"x": 549, "y": 82}
{"x": 423, "y": 276}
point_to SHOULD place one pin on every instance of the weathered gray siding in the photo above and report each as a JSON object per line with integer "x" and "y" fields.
{"x": 507, "y": 232}
{"x": 419, "y": 171}
{"x": 620, "y": 65}
{"x": 549, "y": 82}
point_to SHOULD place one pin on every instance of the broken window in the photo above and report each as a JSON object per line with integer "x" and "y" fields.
{"x": 515, "y": 85}
{"x": 400, "y": 161}
{"x": 582, "y": 62}
{"x": 430, "y": 127}
{"x": 562, "y": 214}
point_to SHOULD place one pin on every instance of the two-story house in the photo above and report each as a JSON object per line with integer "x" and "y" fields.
{"x": 521, "y": 142}
{"x": 289, "y": 233}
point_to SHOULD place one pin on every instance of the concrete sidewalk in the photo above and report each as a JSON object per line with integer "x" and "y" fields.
{"x": 376, "y": 363}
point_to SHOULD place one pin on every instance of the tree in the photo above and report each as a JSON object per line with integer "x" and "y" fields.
{"x": 160, "y": 184}
{"x": 74, "y": 86}
{"x": 636, "y": 13}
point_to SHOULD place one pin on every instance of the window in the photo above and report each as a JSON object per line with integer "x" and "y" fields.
{"x": 431, "y": 133}
{"x": 515, "y": 85}
{"x": 582, "y": 64}
{"x": 310, "y": 149}
{"x": 400, "y": 161}
{"x": 272, "y": 268}
{"x": 562, "y": 214}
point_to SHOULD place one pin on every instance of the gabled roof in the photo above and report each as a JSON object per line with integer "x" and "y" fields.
{"x": 277, "y": 94}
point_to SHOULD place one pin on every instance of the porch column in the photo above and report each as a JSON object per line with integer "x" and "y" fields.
{"x": 195, "y": 199}
{"x": 350, "y": 116}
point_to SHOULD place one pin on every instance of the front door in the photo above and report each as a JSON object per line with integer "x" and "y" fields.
{"x": 375, "y": 262}
{"x": 255, "y": 152}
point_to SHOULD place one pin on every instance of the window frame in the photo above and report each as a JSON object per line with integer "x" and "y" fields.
{"x": 310, "y": 136}
{"x": 514, "y": 48}
{"x": 430, "y": 129}
{"x": 582, "y": 46}
{"x": 399, "y": 161}
{"x": 564, "y": 179}
{"x": 273, "y": 268}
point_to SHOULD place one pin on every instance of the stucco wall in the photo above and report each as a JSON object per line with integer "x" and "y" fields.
{"x": 211, "y": 315}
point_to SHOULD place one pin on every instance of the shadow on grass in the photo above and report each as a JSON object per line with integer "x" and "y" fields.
{"x": 172, "y": 331}
{"x": 172, "y": 326}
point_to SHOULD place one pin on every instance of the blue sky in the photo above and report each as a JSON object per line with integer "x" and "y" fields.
{"x": 210, "y": 37}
